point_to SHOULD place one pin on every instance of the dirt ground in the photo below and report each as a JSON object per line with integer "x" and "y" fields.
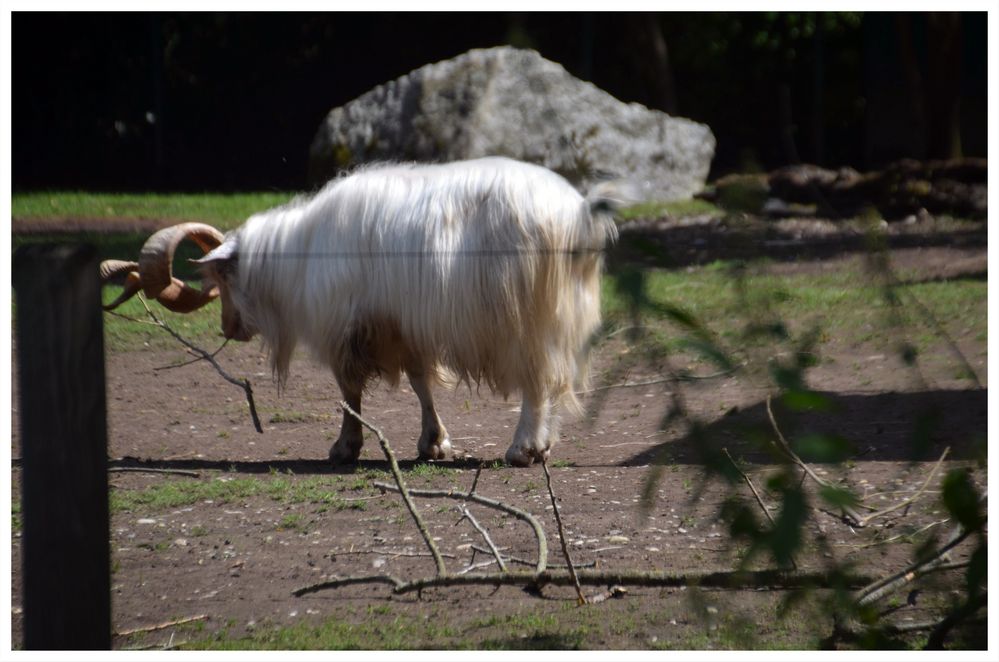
{"x": 237, "y": 562}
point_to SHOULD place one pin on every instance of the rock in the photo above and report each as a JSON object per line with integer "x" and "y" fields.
{"x": 512, "y": 102}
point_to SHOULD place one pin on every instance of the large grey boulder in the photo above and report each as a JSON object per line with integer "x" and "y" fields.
{"x": 512, "y": 102}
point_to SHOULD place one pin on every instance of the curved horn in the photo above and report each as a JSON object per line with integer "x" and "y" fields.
{"x": 113, "y": 269}
{"x": 132, "y": 286}
{"x": 156, "y": 266}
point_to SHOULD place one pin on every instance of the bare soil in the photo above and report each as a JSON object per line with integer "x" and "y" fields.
{"x": 238, "y": 562}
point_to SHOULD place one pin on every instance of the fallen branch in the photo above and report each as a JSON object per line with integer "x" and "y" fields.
{"x": 909, "y": 537}
{"x": 388, "y": 552}
{"x": 401, "y": 484}
{"x": 554, "y": 566}
{"x": 581, "y": 599}
{"x": 759, "y": 579}
{"x": 522, "y": 515}
{"x": 477, "y": 566}
{"x": 880, "y": 589}
{"x": 161, "y": 626}
{"x": 466, "y": 514}
{"x": 178, "y": 472}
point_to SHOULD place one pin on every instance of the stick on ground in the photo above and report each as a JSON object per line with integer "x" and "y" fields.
{"x": 397, "y": 474}
{"x": 161, "y": 626}
{"x": 522, "y": 515}
{"x": 561, "y": 534}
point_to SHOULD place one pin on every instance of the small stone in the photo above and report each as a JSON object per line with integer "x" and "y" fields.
{"x": 617, "y": 540}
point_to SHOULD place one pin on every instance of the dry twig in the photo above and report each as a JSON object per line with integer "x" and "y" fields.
{"x": 397, "y": 474}
{"x": 466, "y": 514}
{"x": 522, "y": 515}
{"x": 144, "y": 470}
{"x": 561, "y": 534}
{"x": 879, "y": 589}
{"x": 759, "y": 499}
{"x": 517, "y": 559}
{"x": 242, "y": 383}
{"x": 791, "y": 455}
{"x": 880, "y": 513}
{"x": 161, "y": 626}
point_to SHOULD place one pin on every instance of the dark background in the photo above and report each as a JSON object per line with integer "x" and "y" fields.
{"x": 229, "y": 102}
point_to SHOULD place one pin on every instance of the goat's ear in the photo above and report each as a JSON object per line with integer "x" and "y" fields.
{"x": 221, "y": 260}
{"x": 224, "y": 252}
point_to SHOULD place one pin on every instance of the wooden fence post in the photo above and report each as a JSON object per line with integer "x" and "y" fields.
{"x": 64, "y": 483}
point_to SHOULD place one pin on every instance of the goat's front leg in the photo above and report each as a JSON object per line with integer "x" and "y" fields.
{"x": 347, "y": 448}
{"x": 434, "y": 443}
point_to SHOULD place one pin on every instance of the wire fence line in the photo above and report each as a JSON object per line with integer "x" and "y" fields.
{"x": 472, "y": 253}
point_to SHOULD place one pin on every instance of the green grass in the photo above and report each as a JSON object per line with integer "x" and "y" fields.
{"x": 845, "y": 305}
{"x": 400, "y": 633}
{"x": 325, "y": 491}
{"x": 675, "y": 208}
{"x": 224, "y": 211}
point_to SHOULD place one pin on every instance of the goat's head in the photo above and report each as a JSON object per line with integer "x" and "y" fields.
{"x": 153, "y": 274}
{"x": 220, "y": 266}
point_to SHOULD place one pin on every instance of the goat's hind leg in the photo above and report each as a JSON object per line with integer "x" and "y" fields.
{"x": 536, "y": 431}
{"x": 434, "y": 443}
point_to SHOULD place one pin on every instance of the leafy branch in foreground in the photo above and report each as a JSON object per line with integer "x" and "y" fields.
{"x": 777, "y": 361}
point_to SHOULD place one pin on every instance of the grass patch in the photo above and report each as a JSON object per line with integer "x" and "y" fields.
{"x": 430, "y": 471}
{"x": 224, "y": 211}
{"x": 400, "y": 633}
{"x": 844, "y": 304}
{"x": 202, "y": 327}
{"x": 320, "y": 490}
{"x": 674, "y": 208}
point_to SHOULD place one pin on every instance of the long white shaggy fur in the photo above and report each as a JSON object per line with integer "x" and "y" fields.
{"x": 488, "y": 269}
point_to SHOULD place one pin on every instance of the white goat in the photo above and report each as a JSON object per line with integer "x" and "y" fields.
{"x": 486, "y": 270}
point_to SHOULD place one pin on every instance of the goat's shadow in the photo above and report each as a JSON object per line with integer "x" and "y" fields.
{"x": 292, "y": 466}
{"x": 880, "y": 427}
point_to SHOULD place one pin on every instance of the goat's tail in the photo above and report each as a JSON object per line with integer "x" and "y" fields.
{"x": 605, "y": 199}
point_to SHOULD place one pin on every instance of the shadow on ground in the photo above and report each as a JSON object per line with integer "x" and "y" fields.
{"x": 879, "y": 427}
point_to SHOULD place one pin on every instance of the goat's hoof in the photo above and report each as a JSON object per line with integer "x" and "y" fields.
{"x": 436, "y": 451}
{"x": 341, "y": 456}
{"x": 525, "y": 457}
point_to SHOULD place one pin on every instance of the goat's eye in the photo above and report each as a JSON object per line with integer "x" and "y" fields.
{"x": 227, "y": 268}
